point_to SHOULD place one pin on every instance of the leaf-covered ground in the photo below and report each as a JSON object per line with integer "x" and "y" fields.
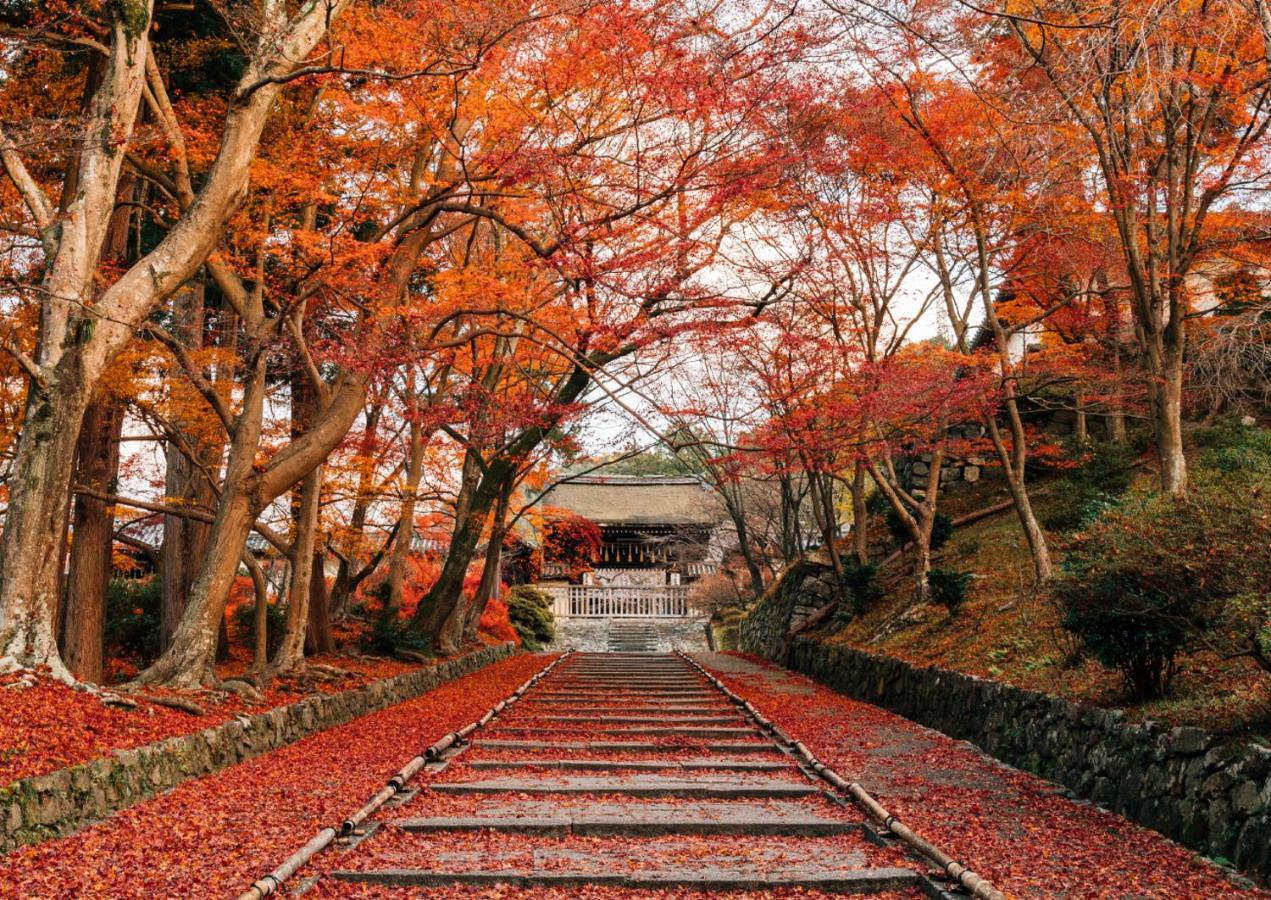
{"x": 1010, "y": 632}
{"x": 51, "y": 726}
{"x": 213, "y": 836}
{"x": 1011, "y": 827}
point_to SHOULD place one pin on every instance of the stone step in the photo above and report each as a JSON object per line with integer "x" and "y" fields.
{"x": 651, "y": 708}
{"x": 640, "y": 819}
{"x": 636, "y": 786}
{"x": 701, "y": 877}
{"x": 618, "y": 696}
{"x": 686, "y": 731}
{"x": 649, "y": 765}
{"x": 640, "y": 720}
{"x": 630, "y": 746}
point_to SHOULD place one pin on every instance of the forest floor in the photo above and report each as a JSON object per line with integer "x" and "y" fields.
{"x": 50, "y": 726}
{"x": 1009, "y": 631}
{"x": 213, "y": 836}
{"x": 1013, "y": 828}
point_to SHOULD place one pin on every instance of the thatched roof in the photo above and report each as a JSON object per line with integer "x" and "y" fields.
{"x": 637, "y": 500}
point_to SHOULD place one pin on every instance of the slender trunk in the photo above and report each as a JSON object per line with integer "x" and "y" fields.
{"x": 437, "y": 615}
{"x": 186, "y": 484}
{"x": 860, "y": 516}
{"x": 1167, "y": 411}
{"x": 405, "y": 524}
{"x": 318, "y": 637}
{"x": 188, "y": 661}
{"x": 260, "y": 617}
{"x": 306, "y": 506}
{"x": 491, "y": 575}
{"x": 1082, "y": 430}
{"x": 93, "y": 523}
{"x": 345, "y": 578}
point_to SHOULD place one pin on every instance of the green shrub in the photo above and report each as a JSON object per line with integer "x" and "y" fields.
{"x": 1231, "y": 448}
{"x": 1126, "y": 625}
{"x": 859, "y": 584}
{"x": 948, "y": 588}
{"x": 132, "y": 617}
{"x": 941, "y": 529}
{"x": 1083, "y": 493}
{"x": 530, "y": 611}
{"x": 275, "y": 622}
{"x": 388, "y": 636}
{"x": 1158, "y": 572}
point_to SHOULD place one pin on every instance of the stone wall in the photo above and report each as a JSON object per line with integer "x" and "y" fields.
{"x": 802, "y": 589}
{"x": 956, "y": 473}
{"x": 61, "y": 802}
{"x": 1182, "y": 782}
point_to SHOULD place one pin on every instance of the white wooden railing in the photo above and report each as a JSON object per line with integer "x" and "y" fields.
{"x": 586, "y": 601}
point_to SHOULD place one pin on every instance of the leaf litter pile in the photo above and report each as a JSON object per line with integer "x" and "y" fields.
{"x": 213, "y": 836}
{"x": 46, "y": 725}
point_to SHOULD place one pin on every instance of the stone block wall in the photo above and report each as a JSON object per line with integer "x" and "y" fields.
{"x": 801, "y": 590}
{"x": 1183, "y": 782}
{"x": 956, "y": 473}
{"x": 59, "y": 803}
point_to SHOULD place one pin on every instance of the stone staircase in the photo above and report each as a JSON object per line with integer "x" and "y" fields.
{"x": 625, "y": 770}
{"x": 627, "y": 636}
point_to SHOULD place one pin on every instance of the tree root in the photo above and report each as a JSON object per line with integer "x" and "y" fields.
{"x": 242, "y": 689}
{"x": 187, "y": 706}
{"x": 412, "y": 656}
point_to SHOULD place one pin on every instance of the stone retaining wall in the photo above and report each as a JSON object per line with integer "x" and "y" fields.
{"x": 1182, "y": 782}
{"x": 58, "y": 803}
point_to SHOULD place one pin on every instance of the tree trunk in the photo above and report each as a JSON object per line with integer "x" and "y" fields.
{"x": 188, "y": 661}
{"x": 345, "y": 578}
{"x": 76, "y": 347}
{"x": 1167, "y": 413}
{"x": 318, "y": 637}
{"x": 860, "y": 515}
{"x": 405, "y": 524}
{"x": 491, "y": 574}
{"x": 93, "y": 523}
{"x": 185, "y": 539}
{"x": 305, "y": 510}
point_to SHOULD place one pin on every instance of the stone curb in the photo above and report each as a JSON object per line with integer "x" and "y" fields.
{"x": 59, "y": 803}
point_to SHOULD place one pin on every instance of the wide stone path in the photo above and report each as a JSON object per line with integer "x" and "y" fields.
{"x": 630, "y": 771}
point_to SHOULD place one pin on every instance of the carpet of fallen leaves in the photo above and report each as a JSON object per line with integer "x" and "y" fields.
{"x": 51, "y": 725}
{"x": 213, "y": 836}
{"x": 1011, "y": 827}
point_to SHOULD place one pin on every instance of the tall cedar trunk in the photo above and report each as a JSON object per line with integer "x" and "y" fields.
{"x": 97, "y": 466}
{"x": 185, "y": 539}
{"x": 93, "y": 524}
{"x": 405, "y": 524}
{"x": 318, "y": 637}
